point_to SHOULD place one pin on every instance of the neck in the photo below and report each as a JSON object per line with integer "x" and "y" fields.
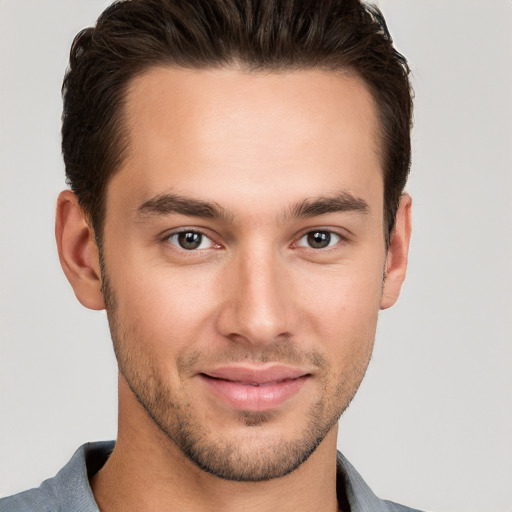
{"x": 147, "y": 471}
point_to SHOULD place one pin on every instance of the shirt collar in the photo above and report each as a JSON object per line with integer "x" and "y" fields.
{"x": 359, "y": 496}
{"x": 72, "y": 481}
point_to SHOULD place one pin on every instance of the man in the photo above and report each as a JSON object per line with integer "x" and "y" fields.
{"x": 236, "y": 205}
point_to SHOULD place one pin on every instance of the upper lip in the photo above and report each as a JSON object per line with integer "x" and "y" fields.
{"x": 256, "y": 375}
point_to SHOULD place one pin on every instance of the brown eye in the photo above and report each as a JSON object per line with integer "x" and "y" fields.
{"x": 190, "y": 240}
{"x": 319, "y": 239}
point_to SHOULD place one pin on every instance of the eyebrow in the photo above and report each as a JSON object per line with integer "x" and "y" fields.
{"x": 342, "y": 202}
{"x": 166, "y": 204}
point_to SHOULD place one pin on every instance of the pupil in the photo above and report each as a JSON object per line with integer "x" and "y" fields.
{"x": 319, "y": 239}
{"x": 189, "y": 240}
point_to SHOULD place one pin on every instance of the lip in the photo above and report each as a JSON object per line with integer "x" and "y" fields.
{"x": 248, "y": 388}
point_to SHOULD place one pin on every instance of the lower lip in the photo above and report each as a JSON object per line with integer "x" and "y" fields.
{"x": 245, "y": 397}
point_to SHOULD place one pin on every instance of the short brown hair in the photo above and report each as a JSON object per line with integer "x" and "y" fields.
{"x": 131, "y": 36}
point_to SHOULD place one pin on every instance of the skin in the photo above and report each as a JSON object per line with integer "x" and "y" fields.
{"x": 255, "y": 292}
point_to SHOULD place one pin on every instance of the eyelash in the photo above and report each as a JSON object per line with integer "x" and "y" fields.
{"x": 170, "y": 236}
{"x": 328, "y": 232}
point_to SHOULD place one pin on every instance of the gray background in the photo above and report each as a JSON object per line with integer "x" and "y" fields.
{"x": 432, "y": 424}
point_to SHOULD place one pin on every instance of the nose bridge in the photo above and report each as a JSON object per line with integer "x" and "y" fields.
{"x": 258, "y": 306}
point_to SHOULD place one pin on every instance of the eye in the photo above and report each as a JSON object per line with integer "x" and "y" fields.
{"x": 319, "y": 239}
{"x": 190, "y": 240}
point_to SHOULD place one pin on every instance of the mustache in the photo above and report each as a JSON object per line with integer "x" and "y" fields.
{"x": 279, "y": 353}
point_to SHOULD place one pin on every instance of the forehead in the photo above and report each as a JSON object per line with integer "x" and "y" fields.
{"x": 215, "y": 132}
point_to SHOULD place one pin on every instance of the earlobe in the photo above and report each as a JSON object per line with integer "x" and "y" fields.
{"x": 397, "y": 257}
{"x": 78, "y": 252}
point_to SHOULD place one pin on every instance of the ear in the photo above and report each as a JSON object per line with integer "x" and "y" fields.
{"x": 396, "y": 262}
{"x": 78, "y": 253}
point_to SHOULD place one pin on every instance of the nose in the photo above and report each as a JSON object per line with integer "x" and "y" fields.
{"x": 257, "y": 303}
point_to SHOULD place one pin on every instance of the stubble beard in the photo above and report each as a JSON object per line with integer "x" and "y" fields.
{"x": 226, "y": 458}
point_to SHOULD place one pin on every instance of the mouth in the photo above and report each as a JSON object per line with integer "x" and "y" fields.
{"x": 254, "y": 389}
{"x": 255, "y": 384}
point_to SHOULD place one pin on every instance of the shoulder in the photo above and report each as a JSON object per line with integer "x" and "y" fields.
{"x": 44, "y": 498}
{"x": 357, "y": 493}
{"x": 69, "y": 490}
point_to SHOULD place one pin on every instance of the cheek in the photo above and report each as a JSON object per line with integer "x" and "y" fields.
{"x": 342, "y": 315}
{"x": 344, "y": 298}
{"x": 167, "y": 308}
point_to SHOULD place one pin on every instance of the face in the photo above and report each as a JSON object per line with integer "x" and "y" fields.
{"x": 243, "y": 260}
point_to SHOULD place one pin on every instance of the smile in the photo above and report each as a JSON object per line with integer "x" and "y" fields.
{"x": 256, "y": 384}
{"x": 249, "y": 389}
